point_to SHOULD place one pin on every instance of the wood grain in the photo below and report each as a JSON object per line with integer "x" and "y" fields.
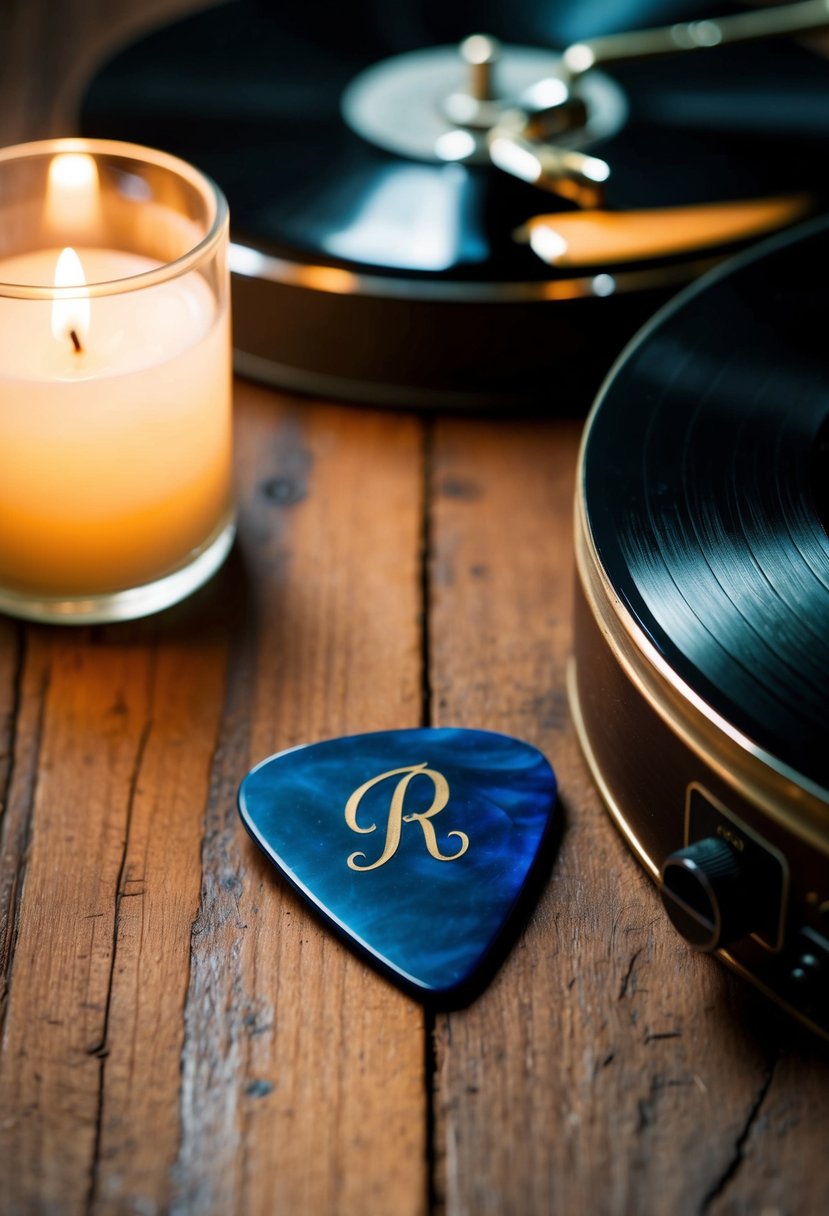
{"x": 156, "y": 905}
{"x": 15, "y": 823}
{"x": 93, "y": 713}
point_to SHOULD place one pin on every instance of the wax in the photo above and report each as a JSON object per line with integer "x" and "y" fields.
{"x": 115, "y": 462}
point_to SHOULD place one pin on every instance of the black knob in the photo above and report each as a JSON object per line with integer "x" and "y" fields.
{"x": 708, "y": 893}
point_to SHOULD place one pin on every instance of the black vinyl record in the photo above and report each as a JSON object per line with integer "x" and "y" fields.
{"x": 444, "y": 305}
{"x": 706, "y": 490}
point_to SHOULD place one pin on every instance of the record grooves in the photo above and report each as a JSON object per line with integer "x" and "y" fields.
{"x": 701, "y": 680}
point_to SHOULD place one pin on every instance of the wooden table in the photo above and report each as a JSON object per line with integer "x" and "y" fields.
{"x": 178, "y": 1034}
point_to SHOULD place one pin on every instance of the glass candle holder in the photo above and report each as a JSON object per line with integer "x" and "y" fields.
{"x": 115, "y": 381}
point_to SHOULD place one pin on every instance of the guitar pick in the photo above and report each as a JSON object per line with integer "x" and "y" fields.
{"x": 413, "y": 845}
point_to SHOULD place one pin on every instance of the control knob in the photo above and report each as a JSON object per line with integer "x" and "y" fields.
{"x": 710, "y": 893}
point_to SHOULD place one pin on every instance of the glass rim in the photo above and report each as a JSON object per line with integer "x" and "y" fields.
{"x": 102, "y": 148}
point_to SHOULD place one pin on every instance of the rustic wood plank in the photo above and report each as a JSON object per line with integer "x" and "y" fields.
{"x": 778, "y": 1161}
{"x": 299, "y": 1062}
{"x": 156, "y": 905}
{"x": 93, "y": 706}
{"x": 13, "y": 827}
{"x": 608, "y": 1069}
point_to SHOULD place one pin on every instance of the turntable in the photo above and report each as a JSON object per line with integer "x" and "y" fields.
{"x": 699, "y": 686}
{"x": 424, "y": 217}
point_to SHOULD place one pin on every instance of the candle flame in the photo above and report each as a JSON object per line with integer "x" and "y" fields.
{"x": 70, "y": 317}
{"x": 73, "y": 193}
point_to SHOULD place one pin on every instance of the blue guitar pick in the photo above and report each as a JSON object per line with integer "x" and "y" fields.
{"x": 414, "y": 845}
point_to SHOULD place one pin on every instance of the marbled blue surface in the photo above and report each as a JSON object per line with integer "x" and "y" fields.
{"x": 420, "y": 869}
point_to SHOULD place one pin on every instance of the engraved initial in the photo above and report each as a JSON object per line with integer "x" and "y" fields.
{"x": 396, "y": 819}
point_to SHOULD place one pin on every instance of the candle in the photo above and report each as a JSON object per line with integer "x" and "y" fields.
{"x": 115, "y": 423}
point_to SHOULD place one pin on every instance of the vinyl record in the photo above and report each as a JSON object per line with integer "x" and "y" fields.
{"x": 705, "y": 480}
{"x": 700, "y": 679}
{"x": 392, "y": 276}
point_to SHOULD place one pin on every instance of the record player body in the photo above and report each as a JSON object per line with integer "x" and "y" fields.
{"x": 699, "y": 685}
{"x": 391, "y": 243}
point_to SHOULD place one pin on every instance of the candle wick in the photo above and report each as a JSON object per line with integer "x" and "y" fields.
{"x": 76, "y": 342}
